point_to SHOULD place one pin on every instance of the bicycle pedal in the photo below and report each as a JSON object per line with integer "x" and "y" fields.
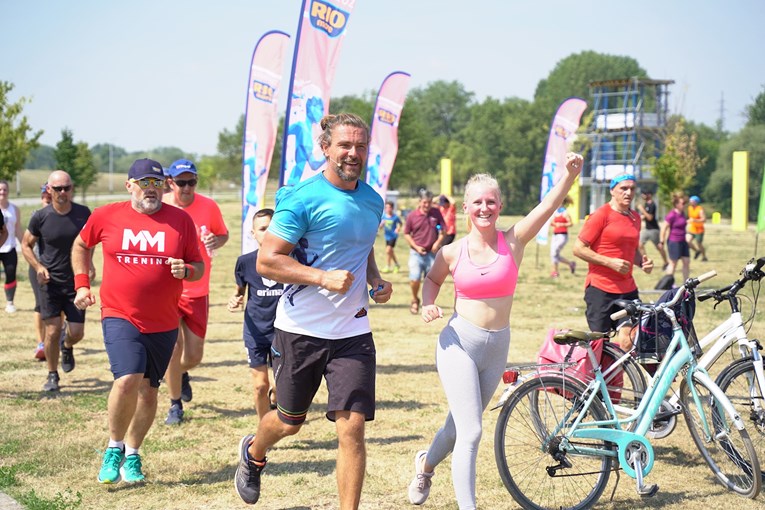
{"x": 648, "y": 491}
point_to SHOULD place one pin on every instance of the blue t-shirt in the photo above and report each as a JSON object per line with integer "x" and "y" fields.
{"x": 331, "y": 228}
{"x": 390, "y": 224}
{"x": 262, "y": 297}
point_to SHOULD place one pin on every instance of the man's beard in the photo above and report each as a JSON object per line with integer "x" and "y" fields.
{"x": 147, "y": 208}
{"x": 345, "y": 176}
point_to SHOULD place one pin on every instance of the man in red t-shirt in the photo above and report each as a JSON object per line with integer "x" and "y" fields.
{"x": 148, "y": 249}
{"x": 194, "y": 301}
{"x": 424, "y": 230}
{"x": 609, "y": 242}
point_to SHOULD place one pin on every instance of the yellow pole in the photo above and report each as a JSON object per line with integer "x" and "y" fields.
{"x": 446, "y": 177}
{"x": 740, "y": 191}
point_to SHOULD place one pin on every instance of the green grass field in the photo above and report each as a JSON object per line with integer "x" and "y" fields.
{"x": 50, "y": 446}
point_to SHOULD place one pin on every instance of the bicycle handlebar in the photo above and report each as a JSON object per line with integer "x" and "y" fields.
{"x": 752, "y": 272}
{"x": 638, "y": 307}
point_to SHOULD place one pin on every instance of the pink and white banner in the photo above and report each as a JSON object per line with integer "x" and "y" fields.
{"x": 383, "y": 145}
{"x": 260, "y": 124}
{"x": 321, "y": 32}
{"x": 562, "y": 135}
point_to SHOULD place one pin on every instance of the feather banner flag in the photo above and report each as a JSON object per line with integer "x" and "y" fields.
{"x": 260, "y": 124}
{"x": 562, "y": 136}
{"x": 383, "y": 144}
{"x": 320, "y": 35}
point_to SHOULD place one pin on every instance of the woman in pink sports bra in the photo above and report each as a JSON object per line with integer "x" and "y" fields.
{"x": 471, "y": 353}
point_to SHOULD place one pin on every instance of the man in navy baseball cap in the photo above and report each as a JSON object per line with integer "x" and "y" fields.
{"x": 143, "y": 168}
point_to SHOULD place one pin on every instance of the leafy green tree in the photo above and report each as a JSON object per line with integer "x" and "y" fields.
{"x": 361, "y": 106}
{"x": 41, "y": 158}
{"x": 230, "y": 150}
{"x": 572, "y": 75}
{"x": 16, "y": 136}
{"x": 718, "y": 190}
{"x": 101, "y": 156}
{"x": 675, "y": 169}
{"x": 66, "y": 153}
{"x": 500, "y": 139}
{"x": 430, "y": 121}
{"x": 708, "y": 140}
{"x": 166, "y": 155}
{"x": 209, "y": 172}
{"x": 85, "y": 170}
{"x": 756, "y": 110}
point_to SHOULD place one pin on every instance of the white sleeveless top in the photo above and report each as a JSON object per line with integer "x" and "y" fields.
{"x": 11, "y": 217}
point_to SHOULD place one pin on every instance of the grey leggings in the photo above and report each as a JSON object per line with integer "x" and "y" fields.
{"x": 470, "y": 362}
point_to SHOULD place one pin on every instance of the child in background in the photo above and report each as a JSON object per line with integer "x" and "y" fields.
{"x": 561, "y": 220}
{"x": 391, "y": 224}
{"x": 262, "y": 296}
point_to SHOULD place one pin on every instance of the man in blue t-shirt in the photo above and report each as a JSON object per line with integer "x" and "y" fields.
{"x": 321, "y": 245}
{"x": 391, "y": 225}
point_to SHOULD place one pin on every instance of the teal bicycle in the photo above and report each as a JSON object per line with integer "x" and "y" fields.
{"x": 557, "y": 440}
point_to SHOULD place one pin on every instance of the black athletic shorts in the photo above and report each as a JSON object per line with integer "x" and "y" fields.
{"x": 600, "y": 306}
{"x": 347, "y": 364}
{"x": 56, "y": 298}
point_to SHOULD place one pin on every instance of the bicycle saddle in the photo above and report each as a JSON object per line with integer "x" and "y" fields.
{"x": 570, "y": 336}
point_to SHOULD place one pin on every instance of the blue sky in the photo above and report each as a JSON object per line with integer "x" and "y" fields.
{"x": 143, "y": 74}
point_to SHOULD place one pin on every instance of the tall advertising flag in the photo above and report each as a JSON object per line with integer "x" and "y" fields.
{"x": 383, "y": 145}
{"x": 320, "y": 35}
{"x": 260, "y": 124}
{"x": 562, "y": 136}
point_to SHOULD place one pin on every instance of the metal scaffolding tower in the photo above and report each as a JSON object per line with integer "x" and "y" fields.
{"x": 629, "y": 121}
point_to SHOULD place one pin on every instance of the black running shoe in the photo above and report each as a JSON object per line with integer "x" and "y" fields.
{"x": 186, "y": 393}
{"x": 51, "y": 385}
{"x": 67, "y": 353}
{"x": 247, "y": 478}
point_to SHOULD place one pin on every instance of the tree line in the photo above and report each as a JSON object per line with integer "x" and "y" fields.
{"x": 505, "y": 137}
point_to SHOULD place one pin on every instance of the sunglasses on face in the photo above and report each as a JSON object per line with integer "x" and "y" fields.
{"x": 145, "y": 183}
{"x": 59, "y": 189}
{"x": 185, "y": 182}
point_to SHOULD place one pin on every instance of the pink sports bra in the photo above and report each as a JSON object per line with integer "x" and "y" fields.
{"x": 494, "y": 280}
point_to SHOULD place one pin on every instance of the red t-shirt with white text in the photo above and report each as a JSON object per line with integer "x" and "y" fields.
{"x": 137, "y": 284}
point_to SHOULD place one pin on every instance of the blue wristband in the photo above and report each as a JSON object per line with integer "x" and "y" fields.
{"x": 372, "y": 291}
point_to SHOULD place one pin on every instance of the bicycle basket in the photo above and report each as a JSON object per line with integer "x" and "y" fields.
{"x": 654, "y": 333}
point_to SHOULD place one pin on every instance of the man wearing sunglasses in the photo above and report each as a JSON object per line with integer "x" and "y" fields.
{"x": 193, "y": 304}
{"x": 148, "y": 248}
{"x": 53, "y": 230}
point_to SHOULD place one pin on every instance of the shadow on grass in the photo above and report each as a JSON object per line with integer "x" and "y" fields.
{"x": 406, "y": 369}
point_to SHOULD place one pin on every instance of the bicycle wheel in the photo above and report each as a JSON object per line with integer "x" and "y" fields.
{"x": 728, "y": 451}
{"x": 626, "y": 384}
{"x": 739, "y": 384}
{"x": 534, "y": 470}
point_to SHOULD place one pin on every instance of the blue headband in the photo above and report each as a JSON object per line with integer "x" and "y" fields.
{"x": 619, "y": 178}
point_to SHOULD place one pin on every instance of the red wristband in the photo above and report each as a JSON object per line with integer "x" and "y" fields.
{"x": 189, "y": 271}
{"x": 81, "y": 280}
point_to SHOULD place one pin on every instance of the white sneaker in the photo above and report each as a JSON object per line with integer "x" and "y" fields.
{"x": 10, "y": 308}
{"x": 419, "y": 489}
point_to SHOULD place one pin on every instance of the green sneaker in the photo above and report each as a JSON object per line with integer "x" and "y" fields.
{"x": 131, "y": 469}
{"x": 110, "y": 467}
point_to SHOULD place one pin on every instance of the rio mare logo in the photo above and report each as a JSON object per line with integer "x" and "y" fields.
{"x": 328, "y": 18}
{"x": 262, "y": 91}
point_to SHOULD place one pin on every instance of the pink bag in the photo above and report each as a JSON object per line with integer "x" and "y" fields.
{"x": 550, "y": 352}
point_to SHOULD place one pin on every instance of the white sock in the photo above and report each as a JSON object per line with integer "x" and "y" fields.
{"x": 129, "y": 450}
{"x": 116, "y": 444}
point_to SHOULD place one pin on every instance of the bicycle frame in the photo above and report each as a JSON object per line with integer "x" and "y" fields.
{"x": 612, "y": 429}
